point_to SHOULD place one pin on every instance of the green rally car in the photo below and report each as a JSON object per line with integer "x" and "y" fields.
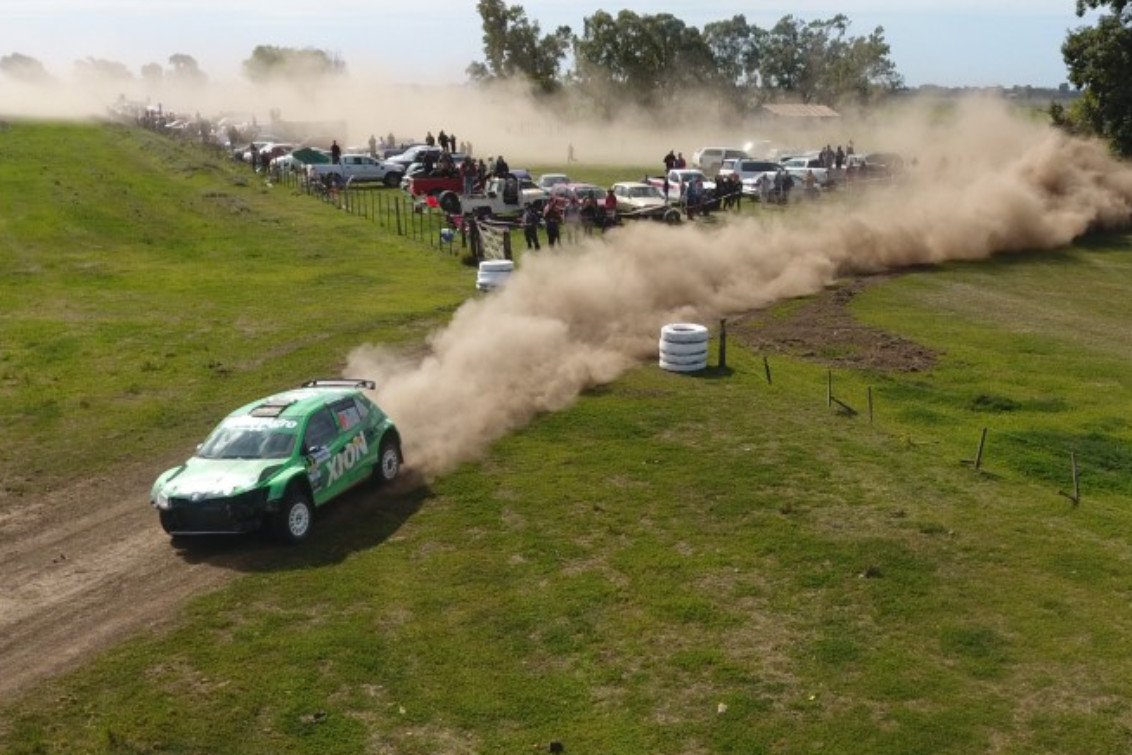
{"x": 271, "y": 462}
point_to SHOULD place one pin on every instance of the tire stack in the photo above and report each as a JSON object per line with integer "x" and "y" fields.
{"x": 493, "y": 273}
{"x": 683, "y": 347}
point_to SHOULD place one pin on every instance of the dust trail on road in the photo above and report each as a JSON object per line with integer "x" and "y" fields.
{"x": 985, "y": 183}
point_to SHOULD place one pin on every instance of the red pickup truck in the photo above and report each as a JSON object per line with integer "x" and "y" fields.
{"x": 421, "y": 185}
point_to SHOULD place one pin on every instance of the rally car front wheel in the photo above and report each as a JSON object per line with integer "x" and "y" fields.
{"x": 292, "y": 523}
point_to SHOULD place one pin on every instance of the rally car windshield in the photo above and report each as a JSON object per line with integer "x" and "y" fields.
{"x": 242, "y": 439}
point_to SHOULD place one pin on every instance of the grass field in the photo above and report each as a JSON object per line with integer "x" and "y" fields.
{"x": 712, "y": 564}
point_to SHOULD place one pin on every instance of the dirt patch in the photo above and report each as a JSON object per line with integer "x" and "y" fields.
{"x": 87, "y": 565}
{"x": 822, "y": 328}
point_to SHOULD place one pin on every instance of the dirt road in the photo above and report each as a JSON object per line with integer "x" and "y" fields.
{"x": 85, "y": 567}
{"x": 89, "y": 565}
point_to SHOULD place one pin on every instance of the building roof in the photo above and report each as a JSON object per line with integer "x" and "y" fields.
{"x": 801, "y": 111}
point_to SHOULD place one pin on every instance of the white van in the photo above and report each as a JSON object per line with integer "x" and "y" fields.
{"x": 709, "y": 159}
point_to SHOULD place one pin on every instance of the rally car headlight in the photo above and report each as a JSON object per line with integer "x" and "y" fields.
{"x": 161, "y": 500}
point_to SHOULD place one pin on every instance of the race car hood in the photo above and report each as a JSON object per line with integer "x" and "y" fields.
{"x": 210, "y": 478}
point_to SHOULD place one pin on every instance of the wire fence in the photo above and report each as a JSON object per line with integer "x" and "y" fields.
{"x": 1069, "y": 463}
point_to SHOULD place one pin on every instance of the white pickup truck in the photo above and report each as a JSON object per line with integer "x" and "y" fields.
{"x": 501, "y": 197}
{"x": 678, "y": 179}
{"x": 358, "y": 167}
{"x": 799, "y": 166}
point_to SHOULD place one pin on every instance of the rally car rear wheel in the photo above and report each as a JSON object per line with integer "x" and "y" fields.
{"x": 292, "y": 523}
{"x": 388, "y": 461}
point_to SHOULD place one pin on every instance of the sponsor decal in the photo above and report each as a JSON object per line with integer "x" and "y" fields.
{"x": 313, "y": 472}
{"x": 348, "y": 457}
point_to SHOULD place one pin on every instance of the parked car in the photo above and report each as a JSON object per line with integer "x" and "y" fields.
{"x": 359, "y": 167}
{"x": 397, "y": 166}
{"x": 678, "y": 179}
{"x": 274, "y": 461}
{"x": 269, "y": 152}
{"x": 573, "y": 194}
{"x": 749, "y": 172}
{"x": 549, "y": 180}
{"x": 876, "y": 164}
{"x": 709, "y": 159}
{"x": 799, "y": 166}
{"x": 636, "y": 199}
{"x": 502, "y": 196}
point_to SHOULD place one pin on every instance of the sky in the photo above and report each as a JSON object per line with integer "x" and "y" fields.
{"x": 951, "y": 43}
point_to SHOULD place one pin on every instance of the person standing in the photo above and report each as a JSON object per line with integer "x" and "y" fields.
{"x": 552, "y": 214}
{"x": 669, "y": 161}
{"x": 372, "y": 146}
{"x": 335, "y": 152}
{"x": 502, "y": 169}
{"x": 442, "y": 138}
{"x": 810, "y": 184}
{"x": 530, "y": 226}
{"x": 468, "y": 174}
{"x": 430, "y": 140}
{"x": 609, "y": 218}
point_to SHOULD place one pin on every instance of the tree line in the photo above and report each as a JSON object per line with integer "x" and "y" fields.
{"x": 267, "y": 62}
{"x": 645, "y": 58}
{"x": 1099, "y": 59}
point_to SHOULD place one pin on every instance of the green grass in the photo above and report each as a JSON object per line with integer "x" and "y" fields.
{"x": 674, "y": 564}
{"x": 144, "y": 284}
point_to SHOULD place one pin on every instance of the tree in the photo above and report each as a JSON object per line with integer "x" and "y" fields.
{"x": 1099, "y": 59}
{"x": 736, "y": 47}
{"x": 184, "y": 69}
{"x": 642, "y": 58}
{"x": 269, "y": 63}
{"x": 514, "y": 46}
{"x": 24, "y": 68}
{"x": 101, "y": 69}
{"x": 819, "y": 61}
{"x": 152, "y": 73}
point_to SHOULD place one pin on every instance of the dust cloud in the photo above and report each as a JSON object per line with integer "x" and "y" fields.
{"x": 503, "y": 119}
{"x": 985, "y": 181}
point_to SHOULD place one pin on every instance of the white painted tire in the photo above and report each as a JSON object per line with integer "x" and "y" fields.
{"x": 684, "y": 332}
{"x": 698, "y": 358}
{"x": 681, "y": 349}
{"x": 694, "y": 367}
{"x": 488, "y": 278}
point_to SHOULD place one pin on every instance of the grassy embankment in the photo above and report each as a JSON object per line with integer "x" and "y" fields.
{"x": 675, "y": 564}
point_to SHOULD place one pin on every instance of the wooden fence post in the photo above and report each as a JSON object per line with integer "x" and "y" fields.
{"x": 1076, "y": 497}
{"x": 722, "y": 344}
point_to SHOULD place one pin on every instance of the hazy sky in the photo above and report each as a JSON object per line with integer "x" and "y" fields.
{"x": 946, "y": 42}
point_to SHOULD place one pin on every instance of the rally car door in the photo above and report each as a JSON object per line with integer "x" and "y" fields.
{"x": 324, "y": 449}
